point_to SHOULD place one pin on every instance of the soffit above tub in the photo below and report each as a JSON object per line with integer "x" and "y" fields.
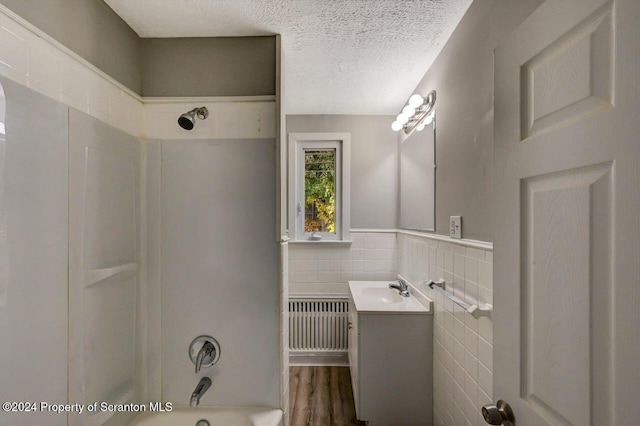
{"x": 340, "y": 56}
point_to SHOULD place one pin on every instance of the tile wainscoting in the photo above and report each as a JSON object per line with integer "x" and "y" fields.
{"x": 463, "y": 349}
{"x": 324, "y": 268}
{"x": 463, "y": 345}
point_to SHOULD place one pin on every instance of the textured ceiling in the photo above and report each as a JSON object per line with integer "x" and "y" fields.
{"x": 340, "y": 56}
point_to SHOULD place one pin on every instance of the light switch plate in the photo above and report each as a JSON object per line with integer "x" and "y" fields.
{"x": 455, "y": 227}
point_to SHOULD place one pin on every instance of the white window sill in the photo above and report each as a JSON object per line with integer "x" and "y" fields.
{"x": 336, "y": 242}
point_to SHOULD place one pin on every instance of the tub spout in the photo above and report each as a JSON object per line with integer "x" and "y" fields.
{"x": 202, "y": 387}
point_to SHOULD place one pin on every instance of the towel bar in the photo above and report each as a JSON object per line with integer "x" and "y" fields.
{"x": 475, "y": 310}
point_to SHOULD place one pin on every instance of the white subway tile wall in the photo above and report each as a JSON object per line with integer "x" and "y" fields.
{"x": 325, "y": 268}
{"x": 463, "y": 352}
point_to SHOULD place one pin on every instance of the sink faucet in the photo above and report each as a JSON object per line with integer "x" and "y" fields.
{"x": 206, "y": 350}
{"x": 402, "y": 287}
{"x": 202, "y": 387}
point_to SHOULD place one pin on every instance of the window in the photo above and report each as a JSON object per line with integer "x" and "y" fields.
{"x": 319, "y": 190}
{"x": 318, "y": 186}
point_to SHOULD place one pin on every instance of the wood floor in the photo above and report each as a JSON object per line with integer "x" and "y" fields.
{"x": 321, "y": 396}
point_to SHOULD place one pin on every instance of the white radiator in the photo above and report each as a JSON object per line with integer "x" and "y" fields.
{"x": 318, "y": 325}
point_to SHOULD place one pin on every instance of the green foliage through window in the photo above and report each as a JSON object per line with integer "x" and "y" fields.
{"x": 319, "y": 190}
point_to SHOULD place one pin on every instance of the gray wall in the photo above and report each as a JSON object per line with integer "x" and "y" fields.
{"x": 92, "y": 30}
{"x": 214, "y": 66}
{"x": 462, "y": 75}
{"x": 374, "y": 164}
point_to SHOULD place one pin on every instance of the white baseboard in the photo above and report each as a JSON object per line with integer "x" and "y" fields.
{"x": 337, "y": 359}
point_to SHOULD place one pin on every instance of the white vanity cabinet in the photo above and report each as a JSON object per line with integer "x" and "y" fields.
{"x": 391, "y": 359}
{"x": 353, "y": 352}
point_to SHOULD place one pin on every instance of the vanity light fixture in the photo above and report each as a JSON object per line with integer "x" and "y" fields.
{"x": 425, "y": 122}
{"x": 417, "y": 114}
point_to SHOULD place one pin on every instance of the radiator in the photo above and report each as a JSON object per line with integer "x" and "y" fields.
{"x": 318, "y": 325}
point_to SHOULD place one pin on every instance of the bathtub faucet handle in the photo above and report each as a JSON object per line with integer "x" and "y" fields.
{"x": 206, "y": 350}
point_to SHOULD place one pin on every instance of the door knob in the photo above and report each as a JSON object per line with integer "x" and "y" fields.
{"x": 499, "y": 414}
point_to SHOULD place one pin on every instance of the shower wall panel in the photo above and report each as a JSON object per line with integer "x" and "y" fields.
{"x": 104, "y": 264}
{"x": 220, "y": 269}
{"x": 151, "y": 300}
{"x": 33, "y": 253}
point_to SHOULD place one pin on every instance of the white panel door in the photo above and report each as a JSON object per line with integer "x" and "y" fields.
{"x": 567, "y": 191}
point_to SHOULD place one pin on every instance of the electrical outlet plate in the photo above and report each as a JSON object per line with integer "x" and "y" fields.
{"x": 455, "y": 227}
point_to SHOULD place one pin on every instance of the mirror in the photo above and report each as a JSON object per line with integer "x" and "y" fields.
{"x": 417, "y": 179}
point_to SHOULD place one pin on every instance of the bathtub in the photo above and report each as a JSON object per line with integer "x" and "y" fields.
{"x": 216, "y": 416}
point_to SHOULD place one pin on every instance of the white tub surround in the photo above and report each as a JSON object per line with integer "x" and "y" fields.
{"x": 230, "y": 117}
{"x": 127, "y": 281}
{"x": 228, "y": 286}
{"x": 228, "y": 416}
{"x": 34, "y": 237}
{"x": 105, "y": 343}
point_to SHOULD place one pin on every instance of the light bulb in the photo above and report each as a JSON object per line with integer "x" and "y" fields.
{"x": 416, "y": 100}
{"x": 408, "y": 111}
{"x": 395, "y": 126}
{"x": 420, "y": 127}
{"x": 402, "y": 119}
{"x": 428, "y": 119}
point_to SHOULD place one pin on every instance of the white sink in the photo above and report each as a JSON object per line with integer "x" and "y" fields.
{"x": 381, "y": 295}
{"x": 376, "y": 296}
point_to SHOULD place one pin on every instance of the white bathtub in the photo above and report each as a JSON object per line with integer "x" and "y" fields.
{"x": 216, "y": 416}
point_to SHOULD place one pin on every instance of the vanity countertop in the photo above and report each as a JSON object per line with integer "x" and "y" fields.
{"x": 377, "y": 297}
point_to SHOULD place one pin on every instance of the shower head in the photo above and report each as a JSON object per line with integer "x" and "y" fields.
{"x": 188, "y": 120}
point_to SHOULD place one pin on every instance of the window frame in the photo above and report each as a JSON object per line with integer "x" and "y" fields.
{"x": 298, "y": 143}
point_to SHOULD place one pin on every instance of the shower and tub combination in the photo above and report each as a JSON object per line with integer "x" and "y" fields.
{"x": 204, "y": 352}
{"x": 216, "y": 200}
{"x": 137, "y": 243}
{"x": 231, "y": 379}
